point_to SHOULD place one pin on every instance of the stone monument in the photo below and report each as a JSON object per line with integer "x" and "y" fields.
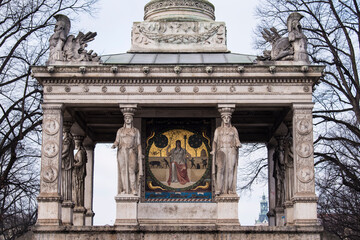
{"x": 177, "y": 156}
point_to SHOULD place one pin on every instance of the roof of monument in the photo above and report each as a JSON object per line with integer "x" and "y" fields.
{"x": 178, "y": 58}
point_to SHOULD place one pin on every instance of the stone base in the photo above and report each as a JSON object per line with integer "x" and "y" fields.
{"x": 89, "y": 218}
{"x": 67, "y": 213}
{"x": 177, "y": 213}
{"x": 183, "y": 232}
{"x": 289, "y": 213}
{"x": 79, "y": 216}
{"x": 227, "y": 209}
{"x": 126, "y": 209}
{"x": 280, "y": 217}
{"x": 49, "y": 209}
{"x": 305, "y": 210}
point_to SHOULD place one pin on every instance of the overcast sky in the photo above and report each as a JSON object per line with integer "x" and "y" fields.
{"x": 113, "y": 23}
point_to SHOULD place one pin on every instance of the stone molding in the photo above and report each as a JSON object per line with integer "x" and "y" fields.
{"x": 223, "y": 198}
{"x": 206, "y": 8}
{"x": 144, "y": 82}
{"x": 169, "y": 69}
{"x": 127, "y": 199}
{"x": 304, "y": 199}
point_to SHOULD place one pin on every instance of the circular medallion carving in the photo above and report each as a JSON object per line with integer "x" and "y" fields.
{"x": 122, "y": 89}
{"x": 51, "y": 126}
{"x": 304, "y": 149}
{"x": 304, "y": 126}
{"x": 196, "y": 89}
{"x": 104, "y": 89}
{"x": 306, "y": 89}
{"x": 159, "y": 89}
{"x": 214, "y": 89}
{"x": 232, "y": 89}
{"x": 269, "y": 88}
{"x": 141, "y": 89}
{"x": 50, "y": 174}
{"x": 86, "y": 89}
{"x": 177, "y": 89}
{"x": 67, "y": 89}
{"x": 50, "y": 149}
{"x": 251, "y": 89}
{"x": 49, "y": 89}
{"x": 305, "y": 174}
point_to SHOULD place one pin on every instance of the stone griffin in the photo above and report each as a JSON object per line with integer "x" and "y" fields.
{"x": 291, "y": 48}
{"x": 68, "y": 48}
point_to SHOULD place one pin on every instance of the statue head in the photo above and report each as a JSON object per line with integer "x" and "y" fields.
{"x": 63, "y": 24}
{"x": 293, "y": 21}
{"x": 226, "y": 115}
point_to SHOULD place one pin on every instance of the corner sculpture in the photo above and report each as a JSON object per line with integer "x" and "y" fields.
{"x": 64, "y": 48}
{"x": 291, "y": 48}
{"x": 225, "y": 154}
{"x": 129, "y": 155}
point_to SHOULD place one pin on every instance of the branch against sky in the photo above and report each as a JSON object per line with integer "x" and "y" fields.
{"x": 25, "y": 27}
{"x": 333, "y": 31}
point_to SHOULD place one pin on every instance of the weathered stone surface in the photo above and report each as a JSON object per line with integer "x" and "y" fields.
{"x": 178, "y": 37}
{"x": 184, "y": 232}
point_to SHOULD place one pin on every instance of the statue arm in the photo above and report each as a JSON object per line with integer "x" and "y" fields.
{"x": 213, "y": 152}
{"x": 65, "y": 150}
{"x": 140, "y": 156}
{"x": 117, "y": 140}
{"x": 237, "y": 140}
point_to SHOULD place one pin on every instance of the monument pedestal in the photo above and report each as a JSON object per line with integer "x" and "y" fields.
{"x": 67, "y": 208}
{"x": 79, "y": 216}
{"x": 126, "y": 209}
{"x": 49, "y": 209}
{"x": 227, "y": 209}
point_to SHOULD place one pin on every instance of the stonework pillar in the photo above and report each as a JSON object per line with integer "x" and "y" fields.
{"x": 271, "y": 183}
{"x": 89, "y": 184}
{"x": 305, "y": 199}
{"x": 49, "y": 199}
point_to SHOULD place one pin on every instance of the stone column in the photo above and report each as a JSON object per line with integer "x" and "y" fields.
{"x": 67, "y": 165}
{"x": 79, "y": 181}
{"x": 89, "y": 182}
{"x": 305, "y": 199}
{"x": 126, "y": 203}
{"x": 289, "y": 179}
{"x": 271, "y": 182}
{"x": 49, "y": 199}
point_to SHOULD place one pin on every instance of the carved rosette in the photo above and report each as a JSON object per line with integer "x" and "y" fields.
{"x": 304, "y": 150}
{"x": 51, "y": 148}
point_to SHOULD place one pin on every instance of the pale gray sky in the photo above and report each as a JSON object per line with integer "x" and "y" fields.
{"x": 113, "y": 24}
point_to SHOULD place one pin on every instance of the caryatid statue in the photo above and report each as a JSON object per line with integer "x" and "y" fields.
{"x": 225, "y": 154}
{"x": 67, "y": 162}
{"x": 79, "y": 172}
{"x": 129, "y": 155}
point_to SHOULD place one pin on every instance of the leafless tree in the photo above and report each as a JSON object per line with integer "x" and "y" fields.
{"x": 25, "y": 27}
{"x": 333, "y": 30}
